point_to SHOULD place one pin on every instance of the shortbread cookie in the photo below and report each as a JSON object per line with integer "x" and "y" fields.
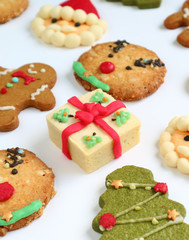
{"x": 174, "y": 144}
{"x": 180, "y": 19}
{"x": 11, "y": 8}
{"x": 135, "y": 207}
{"x": 126, "y": 71}
{"x": 140, "y": 3}
{"x": 27, "y": 86}
{"x": 94, "y": 129}
{"x": 26, "y": 186}
{"x": 70, "y": 25}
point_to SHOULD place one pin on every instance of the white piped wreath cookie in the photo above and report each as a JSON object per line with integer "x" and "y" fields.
{"x": 174, "y": 144}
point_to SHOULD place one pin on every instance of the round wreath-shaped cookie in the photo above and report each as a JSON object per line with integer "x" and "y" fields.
{"x": 180, "y": 19}
{"x": 66, "y": 27}
{"x": 174, "y": 144}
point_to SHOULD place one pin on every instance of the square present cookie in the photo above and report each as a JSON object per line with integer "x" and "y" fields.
{"x": 93, "y": 130}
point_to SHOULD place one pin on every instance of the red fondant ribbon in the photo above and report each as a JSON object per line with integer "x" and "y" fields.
{"x": 92, "y": 112}
{"x": 28, "y": 79}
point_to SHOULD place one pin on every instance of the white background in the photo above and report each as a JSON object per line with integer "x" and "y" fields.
{"x": 69, "y": 215}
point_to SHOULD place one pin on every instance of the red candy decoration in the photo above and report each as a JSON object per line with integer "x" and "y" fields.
{"x": 85, "y": 5}
{"x": 6, "y": 191}
{"x": 161, "y": 187}
{"x": 107, "y": 67}
{"x": 3, "y": 90}
{"x": 107, "y": 221}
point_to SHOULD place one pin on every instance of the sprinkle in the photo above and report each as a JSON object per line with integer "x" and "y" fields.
{"x": 3, "y": 90}
{"x": 54, "y": 20}
{"x": 15, "y": 79}
{"x": 77, "y": 24}
{"x": 94, "y": 134}
{"x": 110, "y": 55}
{"x": 129, "y": 68}
{"x": 138, "y": 208}
{"x": 9, "y": 85}
{"x": 88, "y": 138}
{"x": 104, "y": 99}
{"x": 42, "y": 70}
{"x": 132, "y": 186}
{"x": 65, "y": 114}
{"x": 14, "y": 171}
{"x": 6, "y": 165}
{"x": 118, "y": 113}
{"x": 20, "y": 150}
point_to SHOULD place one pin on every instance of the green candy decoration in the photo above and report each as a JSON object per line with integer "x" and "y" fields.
{"x": 62, "y": 115}
{"x": 91, "y": 141}
{"x": 151, "y": 222}
{"x": 99, "y": 97}
{"x": 121, "y": 117}
{"x": 80, "y": 71}
{"x": 140, "y": 3}
{"x": 9, "y": 85}
{"x": 23, "y": 212}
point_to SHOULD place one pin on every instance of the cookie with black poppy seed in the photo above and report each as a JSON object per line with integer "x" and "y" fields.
{"x": 26, "y": 186}
{"x": 126, "y": 71}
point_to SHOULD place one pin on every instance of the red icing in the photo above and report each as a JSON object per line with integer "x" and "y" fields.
{"x": 161, "y": 187}
{"x": 3, "y": 90}
{"x": 91, "y": 112}
{"x": 107, "y": 220}
{"x": 85, "y": 5}
{"x": 6, "y": 191}
{"x": 28, "y": 79}
{"x": 107, "y": 67}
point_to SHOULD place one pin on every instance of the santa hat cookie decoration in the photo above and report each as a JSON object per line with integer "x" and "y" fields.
{"x": 71, "y": 24}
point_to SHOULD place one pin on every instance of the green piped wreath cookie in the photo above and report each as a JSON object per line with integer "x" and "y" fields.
{"x": 135, "y": 207}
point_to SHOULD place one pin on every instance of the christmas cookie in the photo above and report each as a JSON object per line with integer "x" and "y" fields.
{"x": 11, "y": 8}
{"x": 93, "y": 130}
{"x": 140, "y": 3}
{"x": 126, "y": 71}
{"x": 26, "y": 186}
{"x": 27, "y": 86}
{"x": 135, "y": 207}
{"x": 174, "y": 144}
{"x": 180, "y": 19}
{"x": 70, "y": 25}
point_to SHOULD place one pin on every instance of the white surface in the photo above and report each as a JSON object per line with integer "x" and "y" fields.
{"x": 69, "y": 215}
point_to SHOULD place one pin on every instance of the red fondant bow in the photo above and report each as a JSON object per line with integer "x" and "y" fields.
{"x": 92, "y": 112}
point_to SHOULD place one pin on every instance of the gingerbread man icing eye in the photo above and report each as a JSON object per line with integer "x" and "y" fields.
{"x": 69, "y": 25}
{"x": 174, "y": 144}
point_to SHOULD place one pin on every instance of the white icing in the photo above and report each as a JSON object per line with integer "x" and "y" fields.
{"x": 31, "y": 65}
{"x": 186, "y": 12}
{"x": 31, "y": 71}
{"x": 7, "y": 108}
{"x": 49, "y": 35}
{"x": 38, "y": 91}
{"x": 43, "y": 70}
{"x": 5, "y": 71}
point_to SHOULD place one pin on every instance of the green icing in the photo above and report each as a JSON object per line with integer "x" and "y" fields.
{"x": 80, "y": 70}
{"x": 23, "y": 212}
{"x": 99, "y": 97}
{"x": 122, "y": 117}
{"x": 92, "y": 142}
{"x": 62, "y": 115}
{"x": 116, "y": 201}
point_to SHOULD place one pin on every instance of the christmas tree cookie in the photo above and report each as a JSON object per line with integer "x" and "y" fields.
{"x": 135, "y": 207}
{"x": 140, "y": 3}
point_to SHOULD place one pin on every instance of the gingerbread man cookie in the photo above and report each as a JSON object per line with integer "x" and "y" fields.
{"x": 174, "y": 144}
{"x": 27, "y": 86}
{"x": 11, "y": 8}
{"x": 180, "y": 19}
{"x": 70, "y": 25}
{"x": 26, "y": 186}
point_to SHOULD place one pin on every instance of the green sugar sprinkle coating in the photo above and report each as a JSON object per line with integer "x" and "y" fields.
{"x": 23, "y": 212}
{"x": 91, "y": 141}
{"x": 115, "y": 201}
{"x": 80, "y": 70}
{"x": 62, "y": 115}
{"x": 99, "y": 97}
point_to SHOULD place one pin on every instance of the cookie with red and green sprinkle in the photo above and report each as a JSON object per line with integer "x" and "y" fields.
{"x": 136, "y": 207}
{"x": 26, "y": 186}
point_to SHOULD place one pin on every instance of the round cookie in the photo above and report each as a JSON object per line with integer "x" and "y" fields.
{"x": 126, "y": 71}
{"x": 180, "y": 19}
{"x": 26, "y": 186}
{"x": 70, "y": 25}
{"x": 11, "y": 8}
{"x": 174, "y": 144}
